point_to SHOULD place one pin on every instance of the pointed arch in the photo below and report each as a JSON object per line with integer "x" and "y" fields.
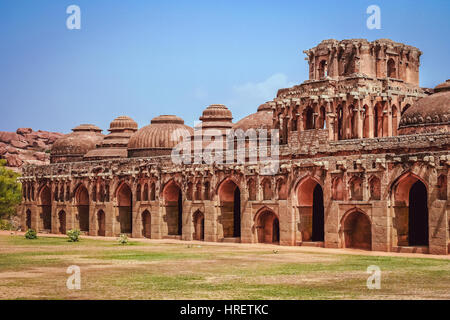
{"x": 267, "y": 226}
{"x": 311, "y": 209}
{"x": 230, "y": 207}
{"x": 198, "y": 219}
{"x": 410, "y": 196}
{"x": 45, "y": 201}
{"x": 146, "y": 224}
{"x": 173, "y": 202}
{"x": 356, "y": 229}
{"x": 124, "y": 197}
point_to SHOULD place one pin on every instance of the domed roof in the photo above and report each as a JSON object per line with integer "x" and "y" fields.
{"x": 216, "y": 116}
{"x": 73, "y": 146}
{"x": 259, "y": 120}
{"x": 429, "y": 114}
{"x": 122, "y": 123}
{"x": 158, "y": 137}
{"x": 114, "y": 145}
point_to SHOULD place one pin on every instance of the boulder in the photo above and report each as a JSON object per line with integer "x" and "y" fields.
{"x": 13, "y": 160}
{"x": 23, "y": 131}
{"x": 19, "y": 144}
{"x": 7, "y": 137}
{"x": 12, "y": 150}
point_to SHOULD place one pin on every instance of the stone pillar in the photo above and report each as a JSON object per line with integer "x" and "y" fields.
{"x": 371, "y": 121}
{"x": 359, "y": 119}
{"x": 389, "y": 118}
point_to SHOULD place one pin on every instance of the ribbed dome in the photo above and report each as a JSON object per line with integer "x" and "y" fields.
{"x": 122, "y": 123}
{"x": 114, "y": 145}
{"x": 429, "y": 114}
{"x": 216, "y": 116}
{"x": 259, "y": 120}
{"x": 73, "y": 146}
{"x": 158, "y": 137}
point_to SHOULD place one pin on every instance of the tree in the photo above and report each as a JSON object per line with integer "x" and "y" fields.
{"x": 10, "y": 191}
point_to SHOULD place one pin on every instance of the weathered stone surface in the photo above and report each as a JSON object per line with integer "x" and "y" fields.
{"x": 23, "y": 131}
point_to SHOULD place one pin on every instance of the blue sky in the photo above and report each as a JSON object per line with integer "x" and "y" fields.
{"x": 145, "y": 58}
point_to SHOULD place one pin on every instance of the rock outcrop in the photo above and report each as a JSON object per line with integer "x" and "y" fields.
{"x": 26, "y": 146}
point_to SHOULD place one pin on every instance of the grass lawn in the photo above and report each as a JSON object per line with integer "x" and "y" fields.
{"x": 36, "y": 269}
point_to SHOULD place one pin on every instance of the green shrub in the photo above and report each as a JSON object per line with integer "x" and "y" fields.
{"x": 5, "y": 225}
{"x": 123, "y": 239}
{"x": 31, "y": 234}
{"x": 10, "y": 191}
{"x": 74, "y": 235}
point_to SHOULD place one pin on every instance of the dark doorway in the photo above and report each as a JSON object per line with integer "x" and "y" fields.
{"x": 62, "y": 222}
{"x": 180, "y": 213}
{"x": 276, "y": 231}
{"x": 125, "y": 209}
{"x": 318, "y": 215}
{"x": 101, "y": 223}
{"x": 28, "y": 222}
{"x": 418, "y": 215}
{"x": 237, "y": 213}
{"x": 146, "y": 224}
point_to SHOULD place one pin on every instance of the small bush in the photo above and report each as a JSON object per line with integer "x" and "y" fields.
{"x": 31, "y": 234}
{"x": 74, "y": 235}
{"x": 123, "y": 239}
{"x": 6, "y": 225}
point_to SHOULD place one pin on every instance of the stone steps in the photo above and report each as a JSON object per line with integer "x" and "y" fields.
{"x": 415, "y": 249}
{"x": 231, "y": 240}
{"x": 317, "y": 244}
{"x": 172, "y": 237}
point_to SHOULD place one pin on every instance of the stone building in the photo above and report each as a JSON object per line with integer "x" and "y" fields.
{"x": 363, "y": 163}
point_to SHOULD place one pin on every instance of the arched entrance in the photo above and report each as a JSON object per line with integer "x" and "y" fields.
{"x": 268, "y": 227}
{"x": 146, "y": 224}
{"x": 173, "y": 199}
{"x": 124, "y": 199}
{"x": 199, "y": 225}
{"x": 101, "y": 222}
{"x": 82, "y": 202}
{"x": 311, "y": 210}
{"x": 411, "y": 211}
{"x": 62, "y": 222}
{"x": 230, "y": 207}
{"x": 357, "y": 231}
{"x": 28, "y": 219}
{"x": 46, "y": 209}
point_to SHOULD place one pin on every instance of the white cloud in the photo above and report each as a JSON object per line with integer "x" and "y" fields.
{"x": 247, "y": 97}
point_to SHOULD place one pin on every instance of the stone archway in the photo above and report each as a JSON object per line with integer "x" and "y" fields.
{"x": 418, "y": 215}
{"x": 199, "y": 225}
{"x": 230, "y": 207}
{"x": 268, "y": 227}
{"x": 146, "y": 224}
{"x": 62, "y": 222}
{"x": 45, "y": 198}
{"x": 173, "y": 200}
{"x": 124, "y": 199}
{"x": 82, "y": 203}
{"x": 101, "y": 223}
{"x": 411, "y": 211}
{"x": 357, "y": 231}
{"x": 311, "y": 210}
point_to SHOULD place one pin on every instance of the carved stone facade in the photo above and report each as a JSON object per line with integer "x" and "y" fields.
{"x": 346, "y": 178}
